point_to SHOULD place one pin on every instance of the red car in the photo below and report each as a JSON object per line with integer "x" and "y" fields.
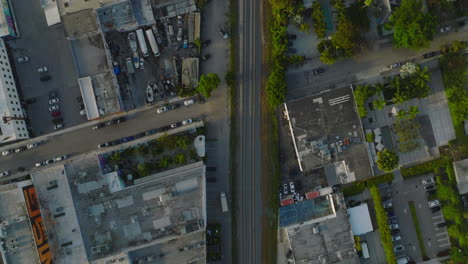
{"x": 56, "y": 113}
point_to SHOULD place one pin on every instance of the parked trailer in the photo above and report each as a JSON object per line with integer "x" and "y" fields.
{"x": 365, "y": 250}
{"x": 152, "y": 42}
{"x": 224, "y": 205}
{"x": 142, "y": 42}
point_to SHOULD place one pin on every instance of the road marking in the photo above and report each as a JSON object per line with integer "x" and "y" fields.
{"x": 428, "y": 243}
{"x": 419, "y": 205}
{"x": 435, "y": 217}
{"x": 438, "y": 222}
{"x": 404, "y": 210}
{"x": 440, "y": 234}
{"x": 414, "y": 248}
{"x": 444, "y": 245}
{"x": 442, "y": 239}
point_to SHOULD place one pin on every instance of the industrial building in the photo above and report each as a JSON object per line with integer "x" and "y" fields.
{"x": 13, "y": 124}
{"x": 327, "y": 133}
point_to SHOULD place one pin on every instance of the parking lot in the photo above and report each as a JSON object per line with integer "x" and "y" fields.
{"x": 435, "y": 238}
{"x": 45, "y": 47}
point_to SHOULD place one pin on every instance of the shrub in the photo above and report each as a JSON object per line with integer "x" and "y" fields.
{"x": 370, "y": 137}
{"x": 318, "y": 19}
{"x": 388, "y": 177}
{"x": 208, "y": 82}
{"x": 424, "y": 168}
{"x": 357, "y": 188}
{"x": 387, "y": 160}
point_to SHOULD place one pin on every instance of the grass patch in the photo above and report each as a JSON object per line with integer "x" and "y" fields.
{"x": 418, "y": 229}
{"x": 358, "y": 187}
{"x": 424, "y": 168}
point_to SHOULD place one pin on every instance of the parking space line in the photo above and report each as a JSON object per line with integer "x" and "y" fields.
{"x": 440, "y": 234}
{"x": 435, "y": 217}
{"x": 438, "y": 222}
{"x": 442, "y": 239}
{"x": 444, "y": 245}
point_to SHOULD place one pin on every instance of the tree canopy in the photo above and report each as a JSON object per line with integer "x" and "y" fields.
{"x": 208, "y": 82}
{"x": 318, "y": 19}
{"x": 412, "y": 28}
{"x": 387, "y": 160}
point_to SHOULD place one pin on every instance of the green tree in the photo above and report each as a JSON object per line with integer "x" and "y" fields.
{"x": 407, "y": 131}
{"x": 230, "y": 78}
{"x": 345, "y": 37}
{"x": 446, "y": 193}
{"x": 401, "y": 114}
{"x": 412, "y": 112}
{"x": 304, "y": 27}
{"x": 164, "y": 162}
{"x": 420, "y": 81}
{"x": 361, "y": 94}
{"x": 182, "y": 142}
{"x": 368, "y": 2}
{"x": 328, "y": 53}
{"x": 143, "y": 169}
{"x": 180, "y": 158}
{"x": 412, "y": 28}
{"x": 387, "y": 160}
{"x": 197, "y": 43}
{"x": 452, "y": 213}
{"x": 318, "y": 20}
{"x": 379, "y": 103}
{"x": 208, "y": 82}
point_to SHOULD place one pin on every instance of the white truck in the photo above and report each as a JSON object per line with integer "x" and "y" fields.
{"x": 129, "y": 64}
{"x": 142, "y": 42}
{"x": 365, "y": 250}
{"x": 224, "y": 205}
{"x": 152, "y": 42}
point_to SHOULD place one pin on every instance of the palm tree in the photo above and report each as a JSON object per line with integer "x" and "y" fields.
{"x": 401, "y": 114}
{"x": 398, "y": 97}
{"x": 412, "y": 112}
{"x": 379, "y": 103}
{"x": 420, "y": 81}
{"x": 378, "y": 88}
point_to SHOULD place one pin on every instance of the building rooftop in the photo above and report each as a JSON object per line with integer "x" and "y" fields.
{"x": 360, "y": 220}
{"x": 16, "y": 234}
{"x": 172, "y": 8}
{"x": 329, "y": 241}
{"x": 125, "y": 15}
{"x": 461, "y": 174}
{"x": 81, "y": 23}
{"x": 327, "y": 132}
{"x": 190, "y": 72}
{"x": 165, "y": 206}
{"x": 306, "y": 212}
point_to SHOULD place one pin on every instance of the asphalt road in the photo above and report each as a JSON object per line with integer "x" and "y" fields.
{"x": 249, "y": 206}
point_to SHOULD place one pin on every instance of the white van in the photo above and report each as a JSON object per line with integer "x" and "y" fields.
{"x": 403, "y": 260}
{"x": 365, "y": 250}
{"x": 179, "y": 34}
{"x": 189, "y": 102}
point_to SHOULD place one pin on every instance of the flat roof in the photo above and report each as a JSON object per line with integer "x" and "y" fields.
{"x": 329, "y": 241}
{"x": 172, "y": 8}
{"x": 461, "y": 174}
{"x": 117, "y": 16}
{"x": 15, "y": 225}
{"x": 51, "y": 12}
{"x": 165, "y": 206}
{"x": 360, "y": 220}
{"x": 326, "y": 129}
{"x": 89, "y": 99}
{"x": 190, "y": 72}
{"x": 80, "y": 23}
{"x": 307, "y": 211}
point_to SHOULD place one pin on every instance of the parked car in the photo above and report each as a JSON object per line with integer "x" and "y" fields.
{"x": 396, "y": 238}
{"x": 395, "y": 232}
{"x": 434, "y": 203}
{"x": 58, "y": 126}
{"x": 57, "y": 121}
{"x": 103, "y": 145}
{"x": 429, "y": 54}
{"x": 390, "y": 214}
{"x": 45, "y": 78}
{"x": 33, "y": 145}
{"x": 398, "y": 248}
{"x": 431, "y": 192}
{"x": 23, "y": 59}
{"x": 206, "y": 43}
{"x": 429, "y": 187}
{"x": 142, "y": 65}
{"x": 179, "y": 21}
{"x": 392, "y": 221}
{"x": 42, "y": 69}
{"x": 50, "y": 161}
{"x": 291, "y": 36}
{"x": 443, "y": 224}
{"x": 445, "y": 29}
{"x": 119, "y": 120}
{"x": 393, "y": 226}
{"x": 387, "y": 204}
{"x": 285, "y": 189}
{"x": 189, "y": 102}
{"x": 63, "y": 157}
{"x": 19, "y": 149}
{"x": 161, "y": 110}
{"x": 53, "y": 108}
{"x": 396, "y": 65}
{"x": 6, "y": 152}
{"x": 187, "y": 122}
{"x": 291, "y": 185}
{"x": 39, "y": 164}
{"x": 98, "y": 126}
{"x": 56, "y": 113}
{"x": 435, "y": 209}
{"x": 205, "y": 57}
{"x": 291, "y": 50}
{"x": 109, "y": 123}
{"x": 318, "y": 71}
{"x": 174, "y": 106}
{"x": 174, "y": 125}
{"x": 428, "y": 180}
{"x": 5, "y": 173}
{"x": 53, "y": 101}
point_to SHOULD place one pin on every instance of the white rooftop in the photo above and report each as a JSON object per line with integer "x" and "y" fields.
{"x": 360, "y": 219}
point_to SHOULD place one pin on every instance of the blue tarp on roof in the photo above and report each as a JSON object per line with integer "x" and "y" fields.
{"x": 304, "y": 211}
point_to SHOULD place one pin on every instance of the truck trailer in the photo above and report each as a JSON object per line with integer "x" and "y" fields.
{"x": 142, "y": 42}
{"x": 152, "y": 42}
{"x": 224, "y": 205}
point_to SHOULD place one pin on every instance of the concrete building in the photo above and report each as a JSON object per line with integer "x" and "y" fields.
{"x": 320, "y": 233}
{"x": 461, "y": 174}
{"x": 7, "y": 20}
{"x": 94, "y": 217}
{"x": 13, "y": 125}
{"x": 360, "y": 220}
{"x": 327, "y": 133}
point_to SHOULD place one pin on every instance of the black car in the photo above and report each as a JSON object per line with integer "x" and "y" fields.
{"x": 31, "y": 101}
{"x": 318, "y": 71}
{"x": 429, "y": 54}
{"x": 174, "y": 106}
{"x": 435, "y": 209}
{"x": 119, "y": 120}
{"x": 57, "y": 121}
{"x": 429, "y": 187}
{"x": 440, "y": 225}
{"x": 290, "y": 43}
{"x": 392, "y": 221}
{"x": 140, "y": 135}
{"x": 205, "y": 57}
{"x": 115, "y": 142}
{"x": 430, "y": 192}
{"x": 206, "y": 43}
{"x": 291, "y": 36}
{"x": 291, "y": 50}
{"x": 98, "y": 126}
{"x": 109, "y": 123}
{"x": 45, "y": 78}
{"x": 395, "y": 231}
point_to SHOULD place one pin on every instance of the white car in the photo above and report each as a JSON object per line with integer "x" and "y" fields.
{"x": 174, "y": 125}
{"x": 42, "y": 69}
{"x": 445, "y": 29}
{"x": 161, "y": 110}
{"x": 50, "y": 161}
{"x": 5, "y": 173}
{"x": 428, "y": 180}
{"x": 53, "y": 101}
{"x": 189, "y": 102}
{"x": 39, "y": 164}
{"x": 387, "y": 204}
{"x": 58, "y": 126}
{"x": 285, "y": 189}
{"x": 179, "y": 21}
{"x": 33, "y": 145}
{"x": 23, "y": 59}
{"x": 103, "y": 145}
{"x": 142, "y": 65}
{"x": 6, "y": 152}
{"x": 393, "y": 226}
{"x": 64, "y": 157}
{"x": 19, "y": 149}
{"x": 187, "y": 122}
{"x": 291, "y": 186}
{"x": 434, "y": 203}
{"x": 396, "y": 238}
{"x": 53, "y": 108}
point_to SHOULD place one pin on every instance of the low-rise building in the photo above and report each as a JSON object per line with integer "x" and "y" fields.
{"x": 461, "y": 175}
{"x": 13, "y": 124}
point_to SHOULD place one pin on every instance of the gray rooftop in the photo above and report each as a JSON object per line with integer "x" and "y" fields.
{"x": 15, "y": 227}
{"x": 78, "y": 24}
{"x": 308, "y": 211}
{"x": 327, "y": 130}
{"x": 461, "y": 174}
{"x": 329, "y": 241}
{"x": 172, "y": 8}
{"x": 164, "y": 207}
